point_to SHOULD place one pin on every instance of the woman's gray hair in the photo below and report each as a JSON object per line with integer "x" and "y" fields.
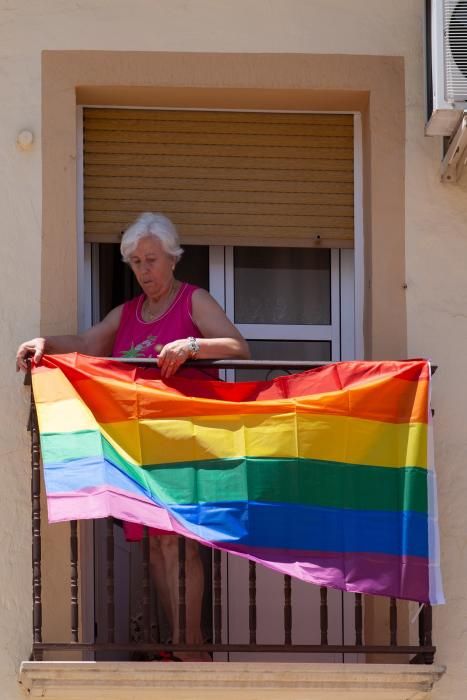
{"x": 149, "y": 224}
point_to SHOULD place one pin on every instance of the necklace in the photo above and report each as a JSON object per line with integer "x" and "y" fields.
{"x": 149, "y": 315}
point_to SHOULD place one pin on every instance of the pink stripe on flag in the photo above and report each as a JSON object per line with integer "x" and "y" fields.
{"x": 107, "y": 501}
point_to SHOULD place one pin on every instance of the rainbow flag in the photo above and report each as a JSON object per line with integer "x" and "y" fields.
{"x": 325, "y": 475}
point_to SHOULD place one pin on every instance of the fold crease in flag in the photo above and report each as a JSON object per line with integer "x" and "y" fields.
{"x": 326, "y": 475}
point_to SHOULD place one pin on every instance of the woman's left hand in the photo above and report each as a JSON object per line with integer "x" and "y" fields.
{"x": 172, "y": 356}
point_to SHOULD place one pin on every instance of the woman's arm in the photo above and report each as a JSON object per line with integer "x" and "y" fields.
{"x": 97, "y": 341}
{"x": 221, "y": 340}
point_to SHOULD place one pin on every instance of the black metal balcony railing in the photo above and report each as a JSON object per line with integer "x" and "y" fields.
{"x": 423, "y": 652}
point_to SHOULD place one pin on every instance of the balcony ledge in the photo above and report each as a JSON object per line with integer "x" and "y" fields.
{"x": 86, "y": 680}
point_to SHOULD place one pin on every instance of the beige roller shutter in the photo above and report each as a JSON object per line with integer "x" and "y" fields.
{"x": 232, "y": 178}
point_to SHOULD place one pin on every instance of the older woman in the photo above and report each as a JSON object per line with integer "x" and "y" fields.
{"x": 173, "y": 322}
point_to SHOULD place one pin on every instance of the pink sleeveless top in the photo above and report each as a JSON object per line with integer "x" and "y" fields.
{"x": 138, "y": 338}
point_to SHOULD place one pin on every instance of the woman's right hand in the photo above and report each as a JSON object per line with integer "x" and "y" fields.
{"x": 34, "y": 348}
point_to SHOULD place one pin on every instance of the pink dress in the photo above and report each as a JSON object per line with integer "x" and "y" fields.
{"x": 138, "y": 338}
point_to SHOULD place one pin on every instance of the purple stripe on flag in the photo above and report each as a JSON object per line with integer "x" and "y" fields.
{"x": 379, "y": 574}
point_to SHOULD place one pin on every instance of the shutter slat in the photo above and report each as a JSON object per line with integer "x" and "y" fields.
{"x": 292, "y": 118}
{"x": 276, "y": 165}
{"x": 200, "y": 131}
{"x": 222, "y": 177}
{"x": 231, "y": 219}
{"x": 225, "y": 237}
{"x": 228, "y": 151}
{"x": 291, "y": 140}
{"x": 214, "y": 174}
{"x": 159, "y": 186}
{"x": 204, "y": 231}
{"x": 253, "y": 208}
{"x": 228, "y": 130}
{"x": 181, "y": 197}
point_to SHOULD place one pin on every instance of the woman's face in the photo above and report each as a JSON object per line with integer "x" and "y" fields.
{"x": 152, "y": 266}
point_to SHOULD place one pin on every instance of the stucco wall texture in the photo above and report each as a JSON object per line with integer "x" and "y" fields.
{"x": 436, "y": 241}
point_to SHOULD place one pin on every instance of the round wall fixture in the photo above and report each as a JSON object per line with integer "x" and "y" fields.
{"x": 25, "y": 139}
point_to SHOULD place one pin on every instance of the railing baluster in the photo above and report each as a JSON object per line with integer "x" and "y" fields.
{"x": 424, "y": 631}
{"x": 428, "y": 618}
{"x": 181, "y": 591}
{"x": 110, "y": 582}
{"x": 323, "y": 614}
{"x": 252, "y": 601}
{"x": 146, "y": 588}
{"x": 287, "y": 609}
{"x": 428, "y": 624}
{"x": 36, "y": 530}
{"x": 74, "y": 581}
{"x": 393, "y": 622}
{"x": 217, "y": 586}
{"x": 358, "y": 620}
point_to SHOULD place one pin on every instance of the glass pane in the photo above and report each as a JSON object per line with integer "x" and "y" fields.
{"x": 282, "y": 285}
{"x": 194, "y": 266}
{"x": 306, "y": 350}
{"x": 117, "y": 283}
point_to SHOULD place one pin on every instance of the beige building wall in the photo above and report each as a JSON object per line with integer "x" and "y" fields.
{"x": 435, "y": 230}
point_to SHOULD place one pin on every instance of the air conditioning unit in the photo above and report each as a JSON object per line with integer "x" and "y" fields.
{"x": 446, "y": 44}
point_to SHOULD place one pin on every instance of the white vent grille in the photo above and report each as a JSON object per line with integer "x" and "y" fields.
{"x": 455, "y": 49}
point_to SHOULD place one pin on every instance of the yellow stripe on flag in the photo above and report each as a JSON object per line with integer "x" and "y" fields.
{"x": 327, "y": 438}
